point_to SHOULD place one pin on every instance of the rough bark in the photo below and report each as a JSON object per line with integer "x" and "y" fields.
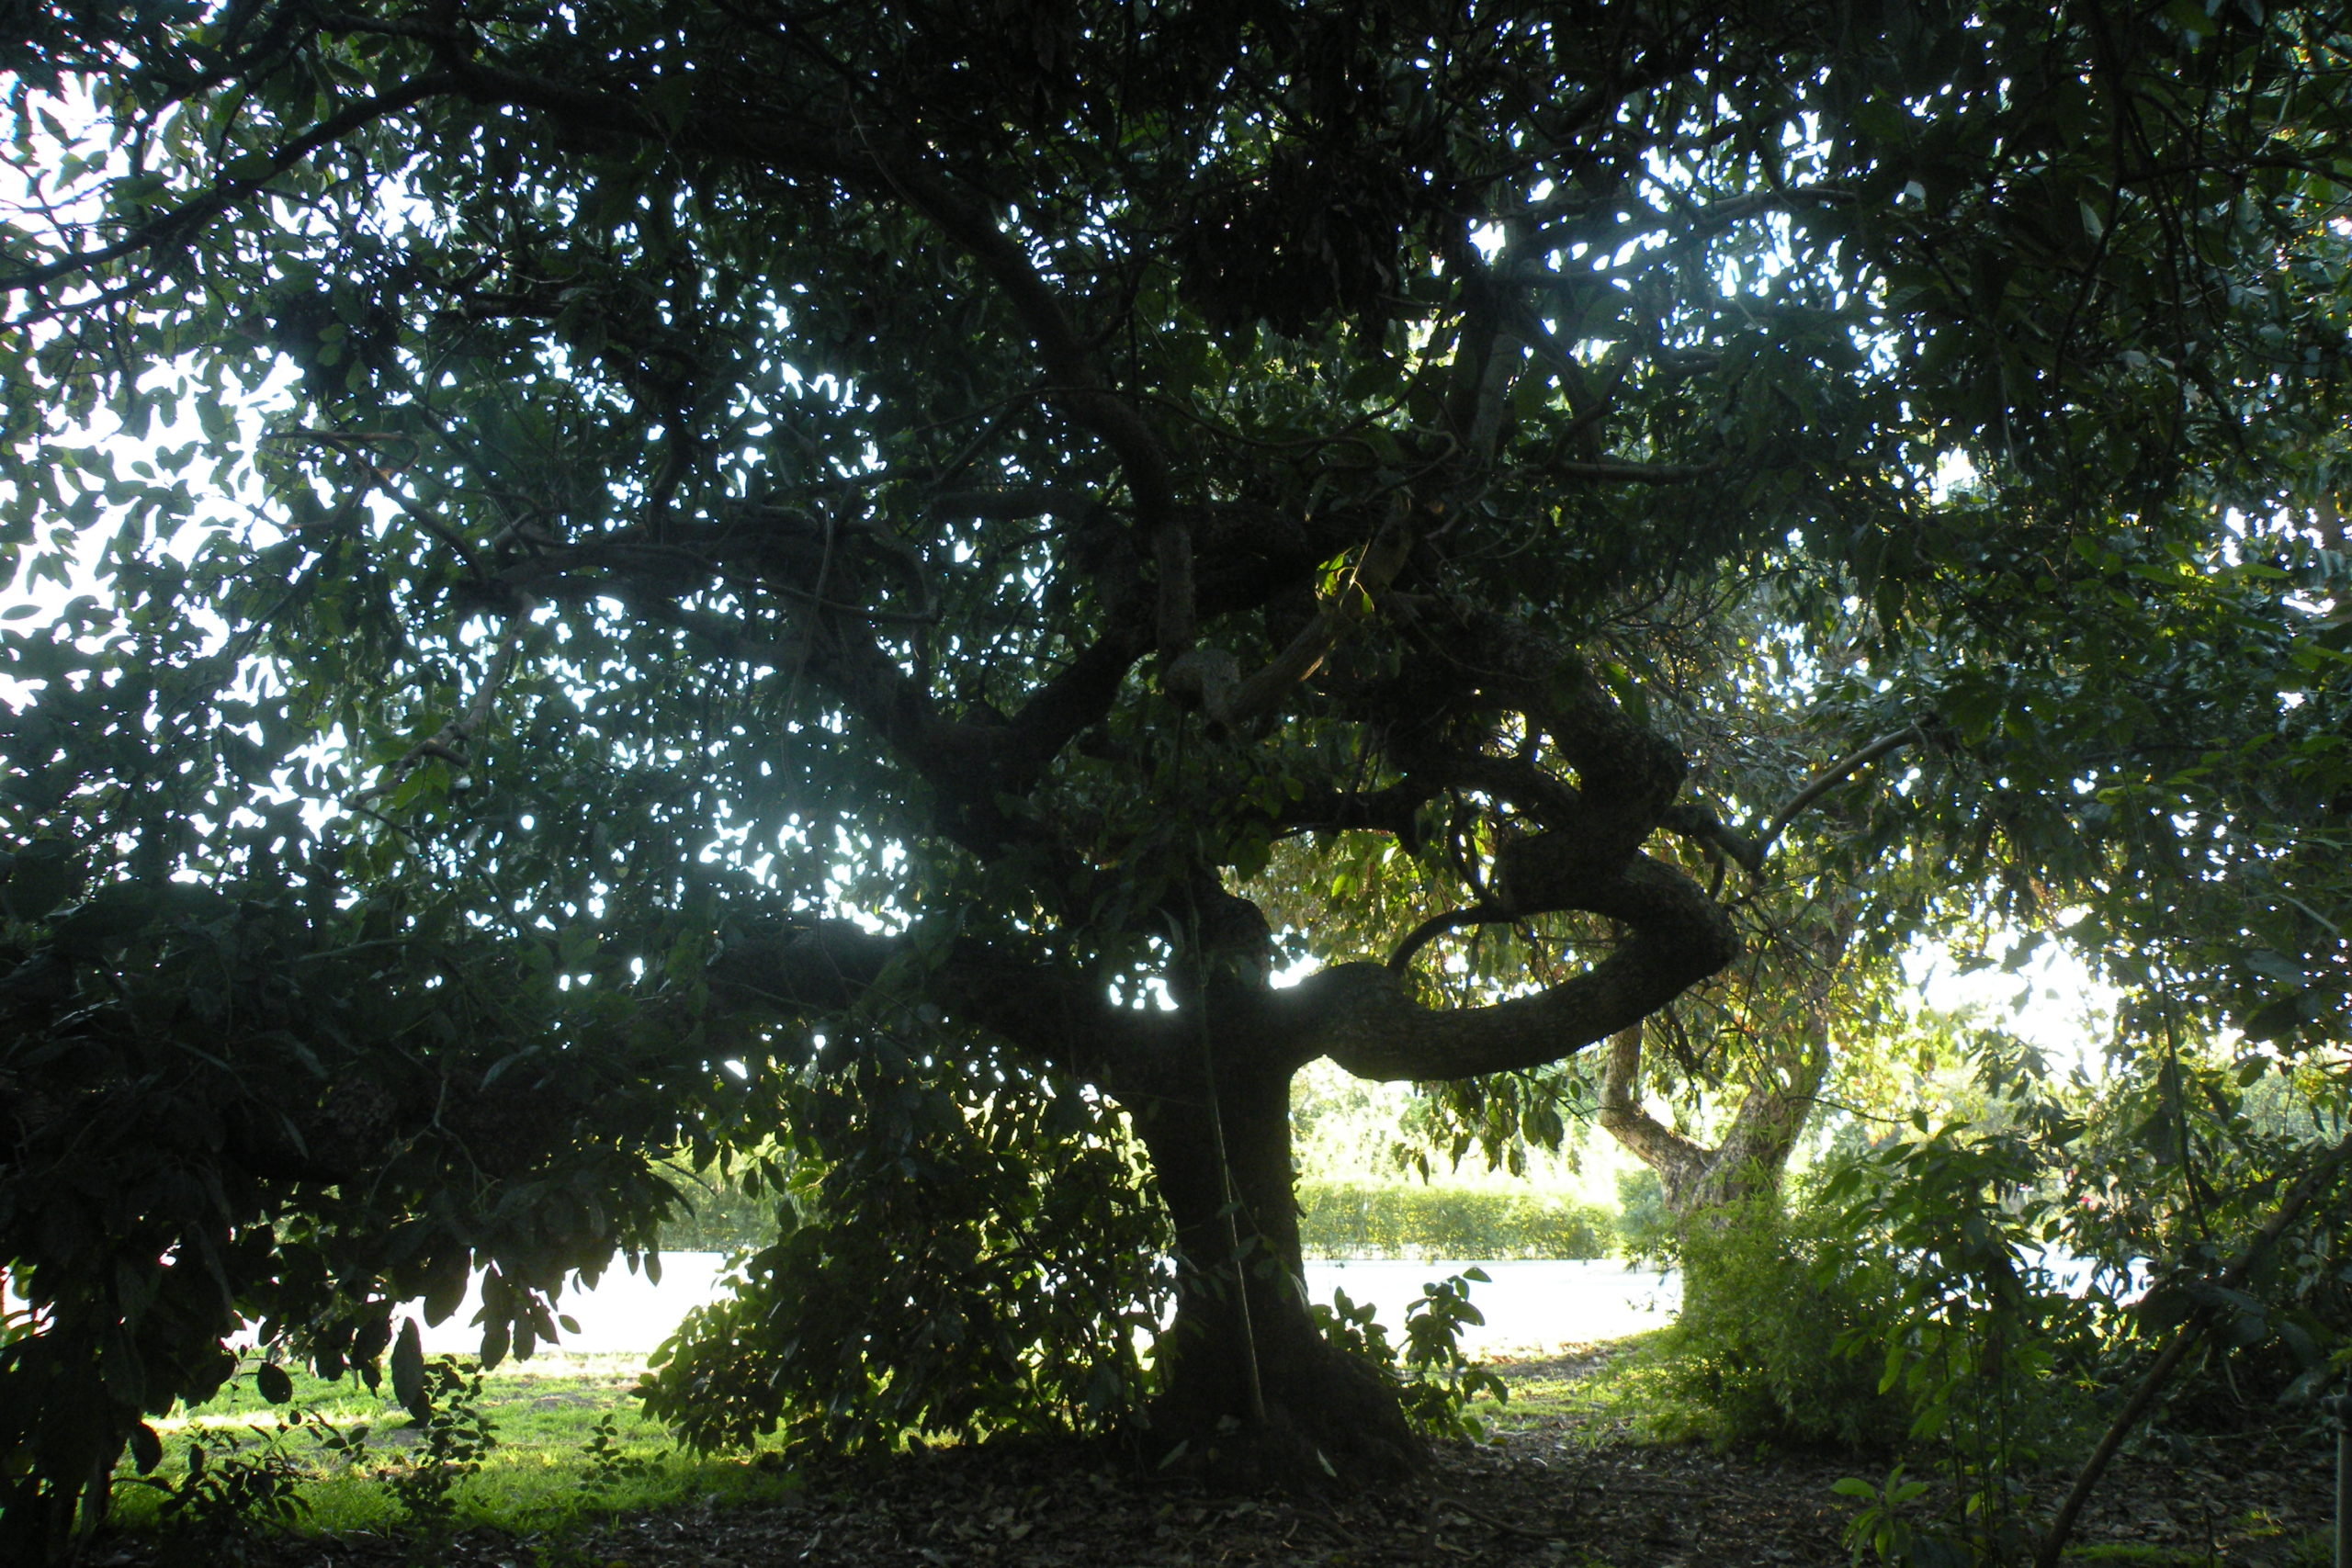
{"x": 1750, "y": 1161}
{"x": 1249, "y": 1389}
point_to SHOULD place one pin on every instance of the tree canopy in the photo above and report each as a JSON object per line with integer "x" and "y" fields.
{"x": 773, "y": 577}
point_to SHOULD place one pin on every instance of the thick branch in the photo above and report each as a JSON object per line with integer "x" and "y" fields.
{"x": 1635, "y": 473}
{"x": 1681, "y": 1164}
{"x": 1209, "y": 676}
{"x": 1363, "y": 1018}
{"x": 1389, "y": 810}
{"x": 1057, "y": 1018}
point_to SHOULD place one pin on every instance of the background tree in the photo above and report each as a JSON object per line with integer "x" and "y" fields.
{"x": 802, "y": 548}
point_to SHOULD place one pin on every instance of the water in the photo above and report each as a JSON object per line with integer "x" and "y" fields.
{"x": 1528, "y": 1305}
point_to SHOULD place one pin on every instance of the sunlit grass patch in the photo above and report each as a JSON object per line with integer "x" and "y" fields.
{"x": 341, "y": 1448}
{"x": 1618, "y": 1391}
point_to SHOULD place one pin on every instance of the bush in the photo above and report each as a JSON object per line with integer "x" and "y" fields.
{"x": 1350, "y": 1219}
{"x": 1770, "y": 1303}
{"x": 1434, "y": 1380}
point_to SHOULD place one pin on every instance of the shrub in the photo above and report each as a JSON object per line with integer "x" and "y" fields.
{"x": 1436, "y": 1381}
{"x": 1348, "y": 1219}
{"x": 1770, "y": 1303}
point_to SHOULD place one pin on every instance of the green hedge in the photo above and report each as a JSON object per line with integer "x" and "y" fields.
{"x": 1353, "y": 1219}
{"x": 1336, "y": 1219}
{"x": 725, "y": 1217}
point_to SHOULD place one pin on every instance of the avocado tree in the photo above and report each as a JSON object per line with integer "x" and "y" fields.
{"x": 688, "y": 556}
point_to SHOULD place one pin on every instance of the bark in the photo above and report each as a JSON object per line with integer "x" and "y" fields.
{"x": 1249, "y": 1389}
{"x": 1749, "y": 1162}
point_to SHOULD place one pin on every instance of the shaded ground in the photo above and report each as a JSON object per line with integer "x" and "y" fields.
{"x": 1563, "y": 1486}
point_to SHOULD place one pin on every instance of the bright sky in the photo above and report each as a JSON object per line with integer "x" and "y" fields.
{"x": 2053, "y": 1001}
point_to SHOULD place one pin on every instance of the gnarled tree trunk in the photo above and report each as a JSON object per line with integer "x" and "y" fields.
{"x": 1243, "y": 1372}
{"x": 1248, "y": 1383}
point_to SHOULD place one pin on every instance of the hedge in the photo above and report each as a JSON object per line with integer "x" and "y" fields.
{"x": 1336, "y": 1219}
{"x": 1355, "y": 1219}
{"x": 725, "y": 1218}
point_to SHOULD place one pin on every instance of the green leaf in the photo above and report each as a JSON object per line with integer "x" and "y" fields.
{"x": 409, "y": 1389}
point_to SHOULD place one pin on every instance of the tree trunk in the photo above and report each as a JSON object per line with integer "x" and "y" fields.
{"x": 1740, "y": 1177}
{"x": 1248, "y": 1386}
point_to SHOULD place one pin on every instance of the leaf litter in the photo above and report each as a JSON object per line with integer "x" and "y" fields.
{"x": 1563, "y": 1488}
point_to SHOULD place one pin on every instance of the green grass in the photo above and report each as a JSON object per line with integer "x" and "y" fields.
{"x": 537, "y": 1476}
{"x": 1625, "y": 1392}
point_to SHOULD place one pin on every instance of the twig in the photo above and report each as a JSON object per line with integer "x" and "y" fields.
{"x": 1493, "y": 1522}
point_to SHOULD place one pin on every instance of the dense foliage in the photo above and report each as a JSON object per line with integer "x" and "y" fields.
{"x": 679, "y": 574}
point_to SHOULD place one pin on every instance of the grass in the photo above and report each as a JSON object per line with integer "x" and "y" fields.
{"x": 543, "y": 1471}
{"x": 1616, "y": 1392}
{"x": 343, "y": 1450}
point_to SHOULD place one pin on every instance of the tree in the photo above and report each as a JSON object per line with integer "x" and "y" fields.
{"x": 1781, "y": 1083}
{"x": 800, "y": 545}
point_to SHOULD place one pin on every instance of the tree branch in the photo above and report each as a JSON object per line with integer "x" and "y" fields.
{"x": 1680, "y": 1163}
{"x": 1436, "y": 926}
{"x": 1635, "y": 473}
{"x": 1077, "y": 384}
{"x": 181, "y": 220}
{"x": 1209, "y": 677}
{"x": 1359, "y": 1016}
{"x": 1060, "y": 1020}
{"x": 1829, "y": 778}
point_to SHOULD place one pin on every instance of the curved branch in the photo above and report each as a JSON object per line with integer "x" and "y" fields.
{"x": 1436, "y": 926}
{"x": 1359, "y": 1016}
{"x": 1681, "y": 1164}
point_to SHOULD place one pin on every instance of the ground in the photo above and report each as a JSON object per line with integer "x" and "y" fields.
{"x": 1563, "y": 1479}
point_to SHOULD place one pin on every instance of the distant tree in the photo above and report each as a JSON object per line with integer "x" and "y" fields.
{"x": 800, "y": 557}
{"x": 1777, "y": 1083}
